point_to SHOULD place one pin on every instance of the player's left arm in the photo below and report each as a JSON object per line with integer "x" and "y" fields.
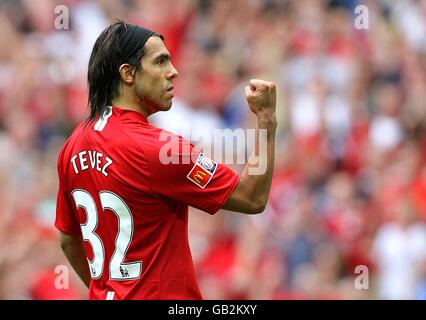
{"x": 73, "y": 248}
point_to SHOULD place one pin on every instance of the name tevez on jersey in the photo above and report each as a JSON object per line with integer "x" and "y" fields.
{"x": 92, "y": 159}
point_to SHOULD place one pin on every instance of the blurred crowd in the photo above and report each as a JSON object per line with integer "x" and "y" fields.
{"x": 349, "y": 188}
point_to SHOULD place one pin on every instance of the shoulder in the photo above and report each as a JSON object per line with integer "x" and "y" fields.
{"x": 161, "y": 148}
{"x": 153, "y": 138}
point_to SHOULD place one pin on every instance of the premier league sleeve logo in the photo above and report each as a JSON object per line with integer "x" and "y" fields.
{"x": 207, "y": 163}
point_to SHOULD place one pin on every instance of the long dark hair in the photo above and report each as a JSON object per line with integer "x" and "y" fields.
{"x": 103, "y": 76}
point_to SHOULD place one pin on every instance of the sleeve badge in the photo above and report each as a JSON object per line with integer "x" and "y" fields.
{"x": 202, "y": 171}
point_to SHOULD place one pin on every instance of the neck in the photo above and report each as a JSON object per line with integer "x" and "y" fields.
{"x": 129, "y": 104}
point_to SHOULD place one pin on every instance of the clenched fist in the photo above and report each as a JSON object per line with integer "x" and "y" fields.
{"x": 261, "y": 96}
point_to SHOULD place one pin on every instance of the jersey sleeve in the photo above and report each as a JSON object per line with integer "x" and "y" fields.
{"x": 66, "y": 219}
{"x": 180, "y": 172}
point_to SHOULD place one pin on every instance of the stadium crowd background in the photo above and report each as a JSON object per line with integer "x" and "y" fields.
{"x": 349, "y": 187}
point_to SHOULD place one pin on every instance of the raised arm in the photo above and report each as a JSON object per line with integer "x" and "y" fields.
{"x": 252, "y": 192}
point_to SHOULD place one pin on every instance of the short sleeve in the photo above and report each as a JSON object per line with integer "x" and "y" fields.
{"x": 186, "y": 175}
{"x": 66, "y": 219}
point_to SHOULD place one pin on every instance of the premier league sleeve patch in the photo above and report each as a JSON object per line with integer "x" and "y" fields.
{"x": 202, "y": 171}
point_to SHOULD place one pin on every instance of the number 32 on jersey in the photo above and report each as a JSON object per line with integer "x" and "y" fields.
{"x": 109, "y": 201}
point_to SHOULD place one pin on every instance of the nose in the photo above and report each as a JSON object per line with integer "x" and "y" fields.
{"x": 173, "y": 72}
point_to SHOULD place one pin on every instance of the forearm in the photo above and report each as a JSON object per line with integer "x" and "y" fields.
{"x": 257, "y": 174}
{"x": 251, "y": 194}
{"x": 73, "y": 249}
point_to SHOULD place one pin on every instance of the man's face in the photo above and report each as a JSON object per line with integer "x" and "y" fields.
{"x": 154, "y": 82}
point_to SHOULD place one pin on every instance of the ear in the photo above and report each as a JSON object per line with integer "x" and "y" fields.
{"x": 127, "y": 73}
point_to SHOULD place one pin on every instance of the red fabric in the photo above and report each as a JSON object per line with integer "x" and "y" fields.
{"x": 157, "y": 196}
{"x": 220, "y": 258}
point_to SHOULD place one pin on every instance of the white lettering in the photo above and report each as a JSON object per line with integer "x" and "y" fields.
{"x": 62, "y": 280}
{"x": 186, "y": 310}
{"x": 98, "y": 161}
{"x": 170, "y": 150}
{"x": 83, "y": 160}
{"x": 257, "y": 167}
{"x": 361, "y": 281}
{"x": 92, "y": 155}
{"x": 62, "y": 20}
{"x": 74, "y": 164}
{"x": 109, "y": 162}
{"x": 362, "y": 18}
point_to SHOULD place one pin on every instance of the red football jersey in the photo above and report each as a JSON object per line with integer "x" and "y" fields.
{"x": 118, "y": 189}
